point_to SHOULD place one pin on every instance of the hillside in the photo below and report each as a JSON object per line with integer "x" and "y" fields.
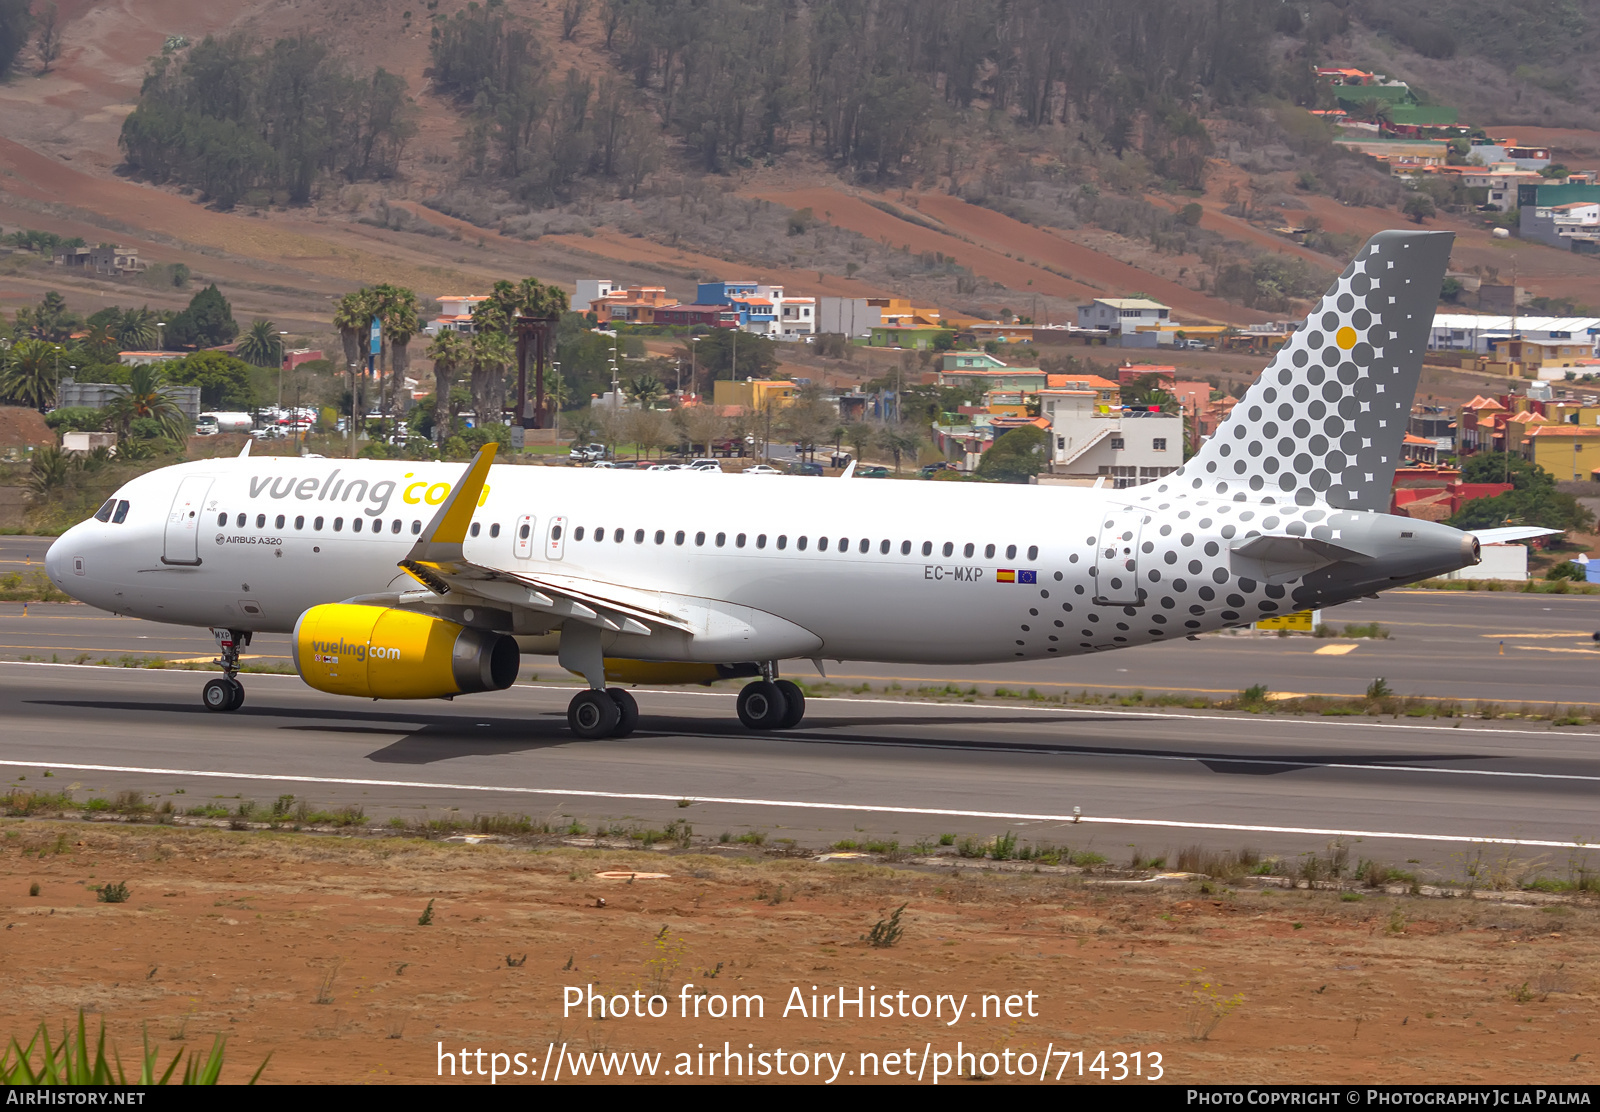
{"x": 665, "y": 150}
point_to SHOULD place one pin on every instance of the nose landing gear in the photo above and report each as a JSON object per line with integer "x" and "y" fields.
{"x": 226, "y": 693}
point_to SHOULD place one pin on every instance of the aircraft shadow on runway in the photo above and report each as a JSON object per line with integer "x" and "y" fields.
{"x": 430, "y": 738}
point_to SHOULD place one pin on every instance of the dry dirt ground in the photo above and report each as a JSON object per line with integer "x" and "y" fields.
{"x": 244, "y": 933}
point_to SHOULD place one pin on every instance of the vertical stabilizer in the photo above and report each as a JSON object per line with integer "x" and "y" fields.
{"x": 1326, "y": 419}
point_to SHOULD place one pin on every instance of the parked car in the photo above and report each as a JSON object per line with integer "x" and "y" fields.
{"x": 871, "y": 471}
{"x": 607, "y": 464}
{"x": 587, "y": 453}
{"x": 762, "y": 469}
{"x": 927, "y": 470}
{"x": 704, "y": 465}
{"x": 805, "y": 467}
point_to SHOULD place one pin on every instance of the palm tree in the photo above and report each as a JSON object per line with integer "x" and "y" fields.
{"x": 492, "y": 356}
{"x": 137, "y": 331}
{"x": 30, "y": 373}
{"x": 1375, "y": 111}
{"x": 645, "y": 389}
{"x": 450, "y": 351}
{"x": 260, "y": 346}
{"x": 401, "y": 321}
{"x": 353, "y": 318}
{"x": 148, "y": 397}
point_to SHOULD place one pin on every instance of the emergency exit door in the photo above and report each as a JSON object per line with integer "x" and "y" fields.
{"x": 182, "y": 542}
{"x": 1116, "y": 564}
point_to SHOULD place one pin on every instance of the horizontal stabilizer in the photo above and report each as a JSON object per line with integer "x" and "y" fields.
{"x": 1278, "y": 559}
{"x": 1512, "y": 533}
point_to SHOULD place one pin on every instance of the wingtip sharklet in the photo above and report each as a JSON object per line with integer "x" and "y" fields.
{"x": 442, "y": 539}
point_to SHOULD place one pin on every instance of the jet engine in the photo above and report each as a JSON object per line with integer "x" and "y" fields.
{"x": 380, "y": 653}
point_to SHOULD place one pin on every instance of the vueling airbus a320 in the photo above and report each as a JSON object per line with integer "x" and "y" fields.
{"x": 417, "y": 581}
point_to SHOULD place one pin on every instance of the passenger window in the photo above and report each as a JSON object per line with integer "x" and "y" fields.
{"x": 240, "y": 521}
{"x": 261, "y": 521}
{"x": 355, "y": 524}
{"x": 222, "y": 519}
{"x": 738, "y": 542}
{"x": 988, "y": 552}
{"x": 316, "y": 524}
{"x": 800, "y": 543}
{"x": 699, "y": 538}
{"x": 416, "y": 528}
{"x": 905, "y": 548}
{"x": 927, "y": 548}
{"x": 761, "y": 540}
{"x": 577, "y": 534}
{"x": 783, "y": 541}
{"x": 1011, "y": 552}
{"x": 525, "y": 530}
{"x": 661, "y": 536}
{"x": 866, "y": 545}
{"x": 338, "y": 525}
{"x": 722, "y": 539}
{"x": 638, "y": 536}
{"x": 122, "y": 513}
{"x": 394, "y": 526}
{"x": 617, "y": 536}
{"x": 822, "y": 544}
{"x": 968, "y": 550}
{"x": 677, "y": 538}
{"x": 1033, "y": 552}
{"x": 300, "y": 522}
{"x": 104, "y": 512}
{"x": 476, "y": 526}
{"x": 948, "y": 548}
{"x": 555, "y": 532}
{"x": 277, "y": 522}
{"x": 600, "y": 534}
{"x": 494, "y": 530}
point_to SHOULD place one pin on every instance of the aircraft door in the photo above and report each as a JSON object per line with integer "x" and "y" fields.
{"x": 1116, "y": 564}
{"x": 556, "y": 538}
{"x": 523, "y": 544}
{"x": 182, "y": 542}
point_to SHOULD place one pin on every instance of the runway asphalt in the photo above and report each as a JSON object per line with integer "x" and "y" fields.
{"x": 872, "y": 768}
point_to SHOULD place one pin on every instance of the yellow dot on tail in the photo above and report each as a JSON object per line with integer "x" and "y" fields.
{"x": 1345, "y": 337}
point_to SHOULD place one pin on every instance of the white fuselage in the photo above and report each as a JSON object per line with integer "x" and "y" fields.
{"x": 764, "y": 566}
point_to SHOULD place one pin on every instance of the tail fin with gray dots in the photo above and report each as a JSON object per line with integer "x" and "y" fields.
{"x": 1325, "y": 421}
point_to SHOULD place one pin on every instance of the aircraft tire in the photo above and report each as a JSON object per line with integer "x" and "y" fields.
{"x": 238, "y": 694}
{"x": 762, "y": 706}
{"x": 593, "y": 714}
{"x": 627, "y": 710}
{"x": 218, "y": 695}
{"x": 794, "y": 701}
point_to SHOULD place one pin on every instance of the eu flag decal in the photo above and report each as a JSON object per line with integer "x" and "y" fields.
{"x": 1027, "y": 577}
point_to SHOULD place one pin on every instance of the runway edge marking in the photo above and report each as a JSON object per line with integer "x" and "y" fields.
{"x": 1173, "y": 824}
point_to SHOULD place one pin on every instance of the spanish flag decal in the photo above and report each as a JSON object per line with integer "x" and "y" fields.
{"x": 1005, "y": 575}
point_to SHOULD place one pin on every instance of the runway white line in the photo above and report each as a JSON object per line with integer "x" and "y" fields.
{"x": 808, "y": 805}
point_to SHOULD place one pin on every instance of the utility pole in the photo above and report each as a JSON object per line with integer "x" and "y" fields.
{"x": 351, "y": 431}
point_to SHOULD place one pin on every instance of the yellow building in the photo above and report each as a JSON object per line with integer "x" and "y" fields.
{"x": 753, "y": 394}
{"x": 1566, "y": 451}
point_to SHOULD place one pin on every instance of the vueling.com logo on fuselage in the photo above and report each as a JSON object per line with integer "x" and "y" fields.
{"x": 329, "y": 652}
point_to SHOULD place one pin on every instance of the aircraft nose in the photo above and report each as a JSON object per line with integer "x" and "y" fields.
{"x": 55, "y": 557}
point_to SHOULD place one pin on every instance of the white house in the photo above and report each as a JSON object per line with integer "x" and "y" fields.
{"x": 1127, "y": 447}
{"x": 455, "y": 313}
{"x": 593, "y": 289}
{"x": 1122, "y": 314}
{"x": 848, "y": 316}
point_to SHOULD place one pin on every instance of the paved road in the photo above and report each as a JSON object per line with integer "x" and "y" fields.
{"x": 860, "y": 769}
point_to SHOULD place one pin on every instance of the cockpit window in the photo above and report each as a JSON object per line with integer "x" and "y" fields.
{"x": 104, "y": 512}
{"x": 122, "y": 513}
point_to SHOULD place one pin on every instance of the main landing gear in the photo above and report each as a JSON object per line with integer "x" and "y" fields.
{"x": 226, "y": 693}
{"x": 766, "y": 704}
{"x": 611, "y": 712}
{"x": 770, "y": 703}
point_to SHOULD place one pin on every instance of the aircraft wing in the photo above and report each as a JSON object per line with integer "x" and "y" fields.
{"x": 438, "y": 563}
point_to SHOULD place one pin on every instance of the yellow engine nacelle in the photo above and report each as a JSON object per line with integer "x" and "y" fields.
{"x": 378, "y": 653}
